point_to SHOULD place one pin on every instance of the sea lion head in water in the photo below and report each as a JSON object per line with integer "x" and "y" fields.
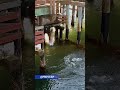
{"x": 42, "y": 63}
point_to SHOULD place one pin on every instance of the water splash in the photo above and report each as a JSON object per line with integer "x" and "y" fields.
{"x": 72, "y": 77}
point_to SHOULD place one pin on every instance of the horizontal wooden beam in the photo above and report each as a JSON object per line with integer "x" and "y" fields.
{"x": 42, "y": 6}
{"x": 39, "y": 32}
{"x": 39, "y": 42}
{"x": 38, "y": 27}
{"x": 76, "y": 3}
{"x": 9, "y": 27}
{"x": 81, "y": 0}
{"x": 9, "y": 16}
{"x": 10, "y": 37}
{"x": 37, "y": 38}
{"x": 11, "y": 4}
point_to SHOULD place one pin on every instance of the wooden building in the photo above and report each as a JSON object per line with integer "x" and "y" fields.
{"x": 10, "y": 24}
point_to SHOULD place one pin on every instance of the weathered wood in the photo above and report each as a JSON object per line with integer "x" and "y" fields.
{"x": 40, "y": 2}
{"x": 67, "y": 33}
{"x": 61, "y": 34}
{"x": 9, "y": 27}
{"x": 73, "y": 13}
{"x": 80, "y": 15}
{"x": 8, "y": 5}
{"x": 4, "y": 1}
{"x": 9, "y": 16}
{"x": 39, "y": 32}
{"x": 77, "y": 3}
{"x": 38, "y": 27}
{"x": 39, "y": 37}
{"x": 78, "y": 37}
{"x": 52, "y": 6}
{"x": 39, "y": 42}
{"x": 41, "y": 6}
{"x": 10, "y": 37}
{"x": 57, "y": 7}
{"x": 56, "y": 33}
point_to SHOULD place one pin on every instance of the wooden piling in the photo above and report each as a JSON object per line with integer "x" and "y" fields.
{"x": 57, "y": 7}
{"x": 52, "y": 6}
{"x": 17, "y": 44}
{"x": 73, "y": 13}
{"x": 83, "y": 16}
{"x": 67, "y": 23}
{"x": 67, "y": 33}
{"x": 79, "y": 24}
{"x": 68, "y": 16}
{"x": 61, "y": 32}
{"x": 56, "y": 33}
{"x": 106, "y": 9}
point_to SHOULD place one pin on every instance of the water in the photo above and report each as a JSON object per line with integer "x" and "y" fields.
{"x": 56, "y": 64}
{"x": 68, "y": 63}
{"x": 103, "y": 74}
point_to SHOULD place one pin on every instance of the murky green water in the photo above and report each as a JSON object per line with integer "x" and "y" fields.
{"x": 68, "y": 62}
{"x": 65, "y": 60}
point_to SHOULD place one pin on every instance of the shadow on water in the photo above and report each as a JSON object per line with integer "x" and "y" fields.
{"x": 102, "y": 63}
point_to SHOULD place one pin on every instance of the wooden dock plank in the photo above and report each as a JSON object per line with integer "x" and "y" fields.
{"x": 10, "y": 27}
{"x": 8, "y": 5}
{"x": 9, "y": 16}
{"x": 39, "y": 42}
{"x": 80, "y": 3}
{"x": 38, "y": 28}
{"x": 39, "y": 32}
{"x": 10, "y": 38}
{"x": 39, "y": 37}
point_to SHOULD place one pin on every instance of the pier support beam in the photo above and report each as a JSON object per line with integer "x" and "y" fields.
{"x": 67, "y": 33}
{"x": 79, "y": 24}
{"x": 75, "y": 17}
{"x": 77, "y": 12}
{"x": 56, "y": 33}
{"x": 68, "y": 16}
{"x": 73, "y": 14}
{"x": 64, "y": 9}
{"x": 57, "y": 7}
{"x": 83, "y": 16}
{"x": 52, "y": 6}
{"x": 68, "y": 22}
{"x": 78, "y": 37}
{"x": 106, "y": 9}
{"x": 17, "y": 44}
{"x": 42, "y": 45}
{"x": 61, "y": 32}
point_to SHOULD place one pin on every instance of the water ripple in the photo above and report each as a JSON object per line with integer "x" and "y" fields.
{"x": 72, "y": 77}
